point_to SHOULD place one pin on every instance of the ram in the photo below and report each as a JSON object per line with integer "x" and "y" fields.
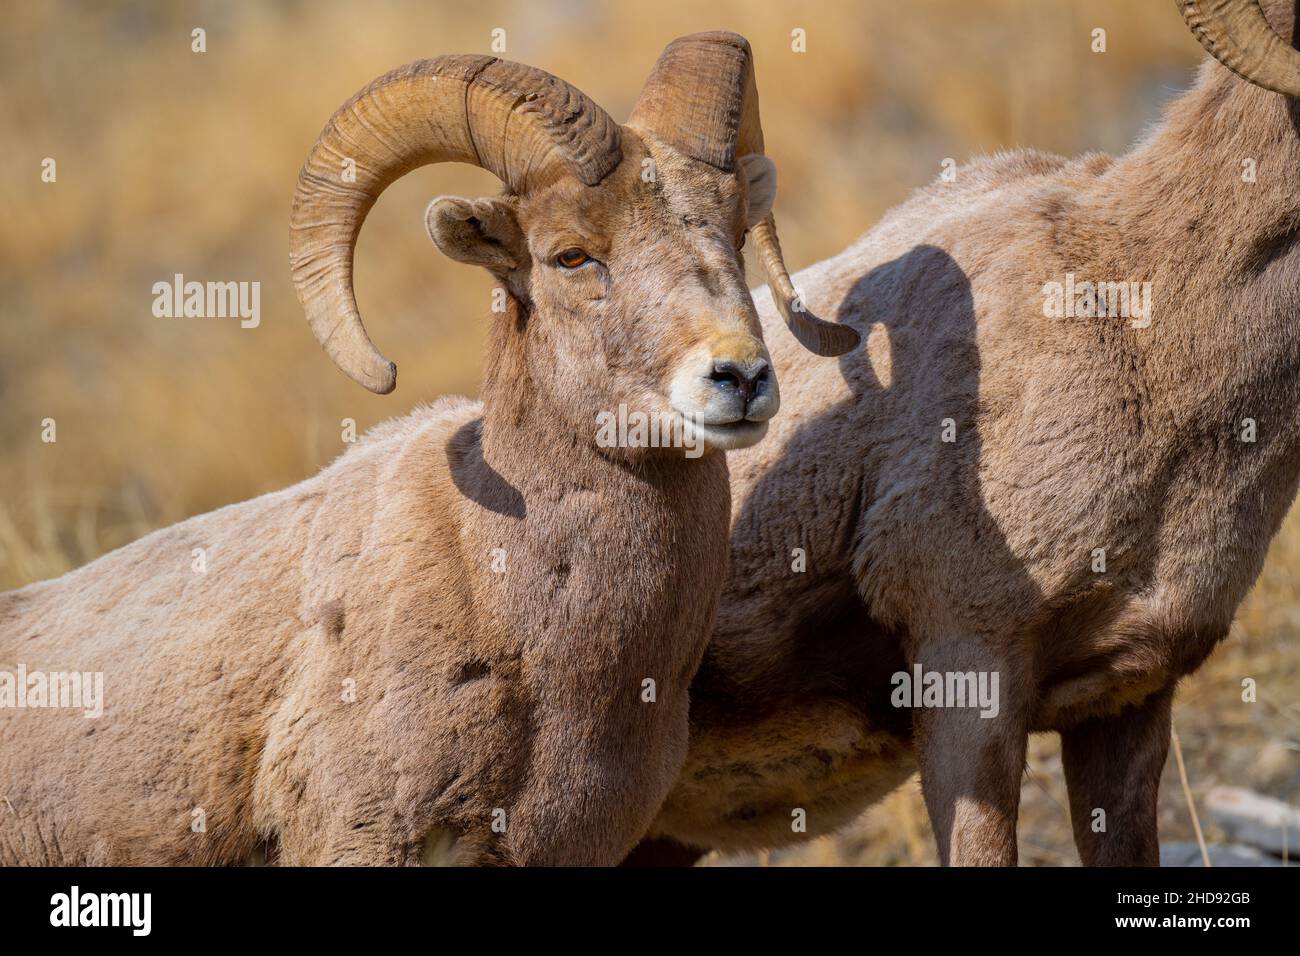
{"x": 470, "y": 638}
{"x": 1103, "y": 505}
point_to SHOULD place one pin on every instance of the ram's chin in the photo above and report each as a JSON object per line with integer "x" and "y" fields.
{"x": 728, "y": 437}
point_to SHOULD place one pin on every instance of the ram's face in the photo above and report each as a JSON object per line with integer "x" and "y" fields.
{"x": 620, "y": 244}
{"x": 636, "y": 290}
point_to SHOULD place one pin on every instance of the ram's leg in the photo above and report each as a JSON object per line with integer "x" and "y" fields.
{"x": 1113, "y": 765}
{"x": 971, "y": 763}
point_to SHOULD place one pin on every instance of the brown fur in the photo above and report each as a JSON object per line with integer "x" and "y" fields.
{"x": 475, "y": 690}
{"x": 1072, "y": 434}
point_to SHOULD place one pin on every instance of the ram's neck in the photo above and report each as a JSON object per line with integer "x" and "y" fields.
{"x": 617, "y": 567}
{"x": 1223, "y": 166}
{"x": 1207, "y": 210}
{"x": 529, "y": 444}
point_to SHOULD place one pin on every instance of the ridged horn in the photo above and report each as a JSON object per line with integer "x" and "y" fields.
{"x": 1237, "y": 34}
{"x": 702, "y": 100}
{"x": 522, "y": 124}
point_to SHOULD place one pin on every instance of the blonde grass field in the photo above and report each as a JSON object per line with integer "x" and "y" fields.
{"x": 171, "y": 161}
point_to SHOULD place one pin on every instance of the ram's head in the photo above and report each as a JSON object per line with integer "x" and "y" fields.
{"x": 620, "y": 245}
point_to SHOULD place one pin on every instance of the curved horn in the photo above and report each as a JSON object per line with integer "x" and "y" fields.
{"x": 525, "y": 126}
{"x": 701, "y": 99}
{"x": 1236, "y": 33}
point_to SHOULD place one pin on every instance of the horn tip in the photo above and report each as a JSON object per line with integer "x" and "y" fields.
{"x": 381, "y": 379}
{"x": 387, "y": 380}
{"x": 841, "y": 341}
{"x": 828, "y": 339}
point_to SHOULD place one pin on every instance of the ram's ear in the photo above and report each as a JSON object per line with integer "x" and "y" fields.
{"x": 481, "y": 232}
{"x": 760, "y": 174}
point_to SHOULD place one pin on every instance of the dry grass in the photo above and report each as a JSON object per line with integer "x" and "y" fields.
{"x": 171, "y": 161}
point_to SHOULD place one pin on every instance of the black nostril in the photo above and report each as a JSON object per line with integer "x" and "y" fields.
{"x": 727, "y": 374}
{"x": 745, "y": 382}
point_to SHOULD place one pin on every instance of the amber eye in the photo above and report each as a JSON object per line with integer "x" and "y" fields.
{"x": 571, "y": 258}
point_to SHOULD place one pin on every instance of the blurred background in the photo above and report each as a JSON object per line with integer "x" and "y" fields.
{"x": 171, "y": 161}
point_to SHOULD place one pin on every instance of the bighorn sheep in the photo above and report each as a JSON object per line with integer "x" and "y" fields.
{"x": 1091, "y": 528}
{"x": 438, "y": 647}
